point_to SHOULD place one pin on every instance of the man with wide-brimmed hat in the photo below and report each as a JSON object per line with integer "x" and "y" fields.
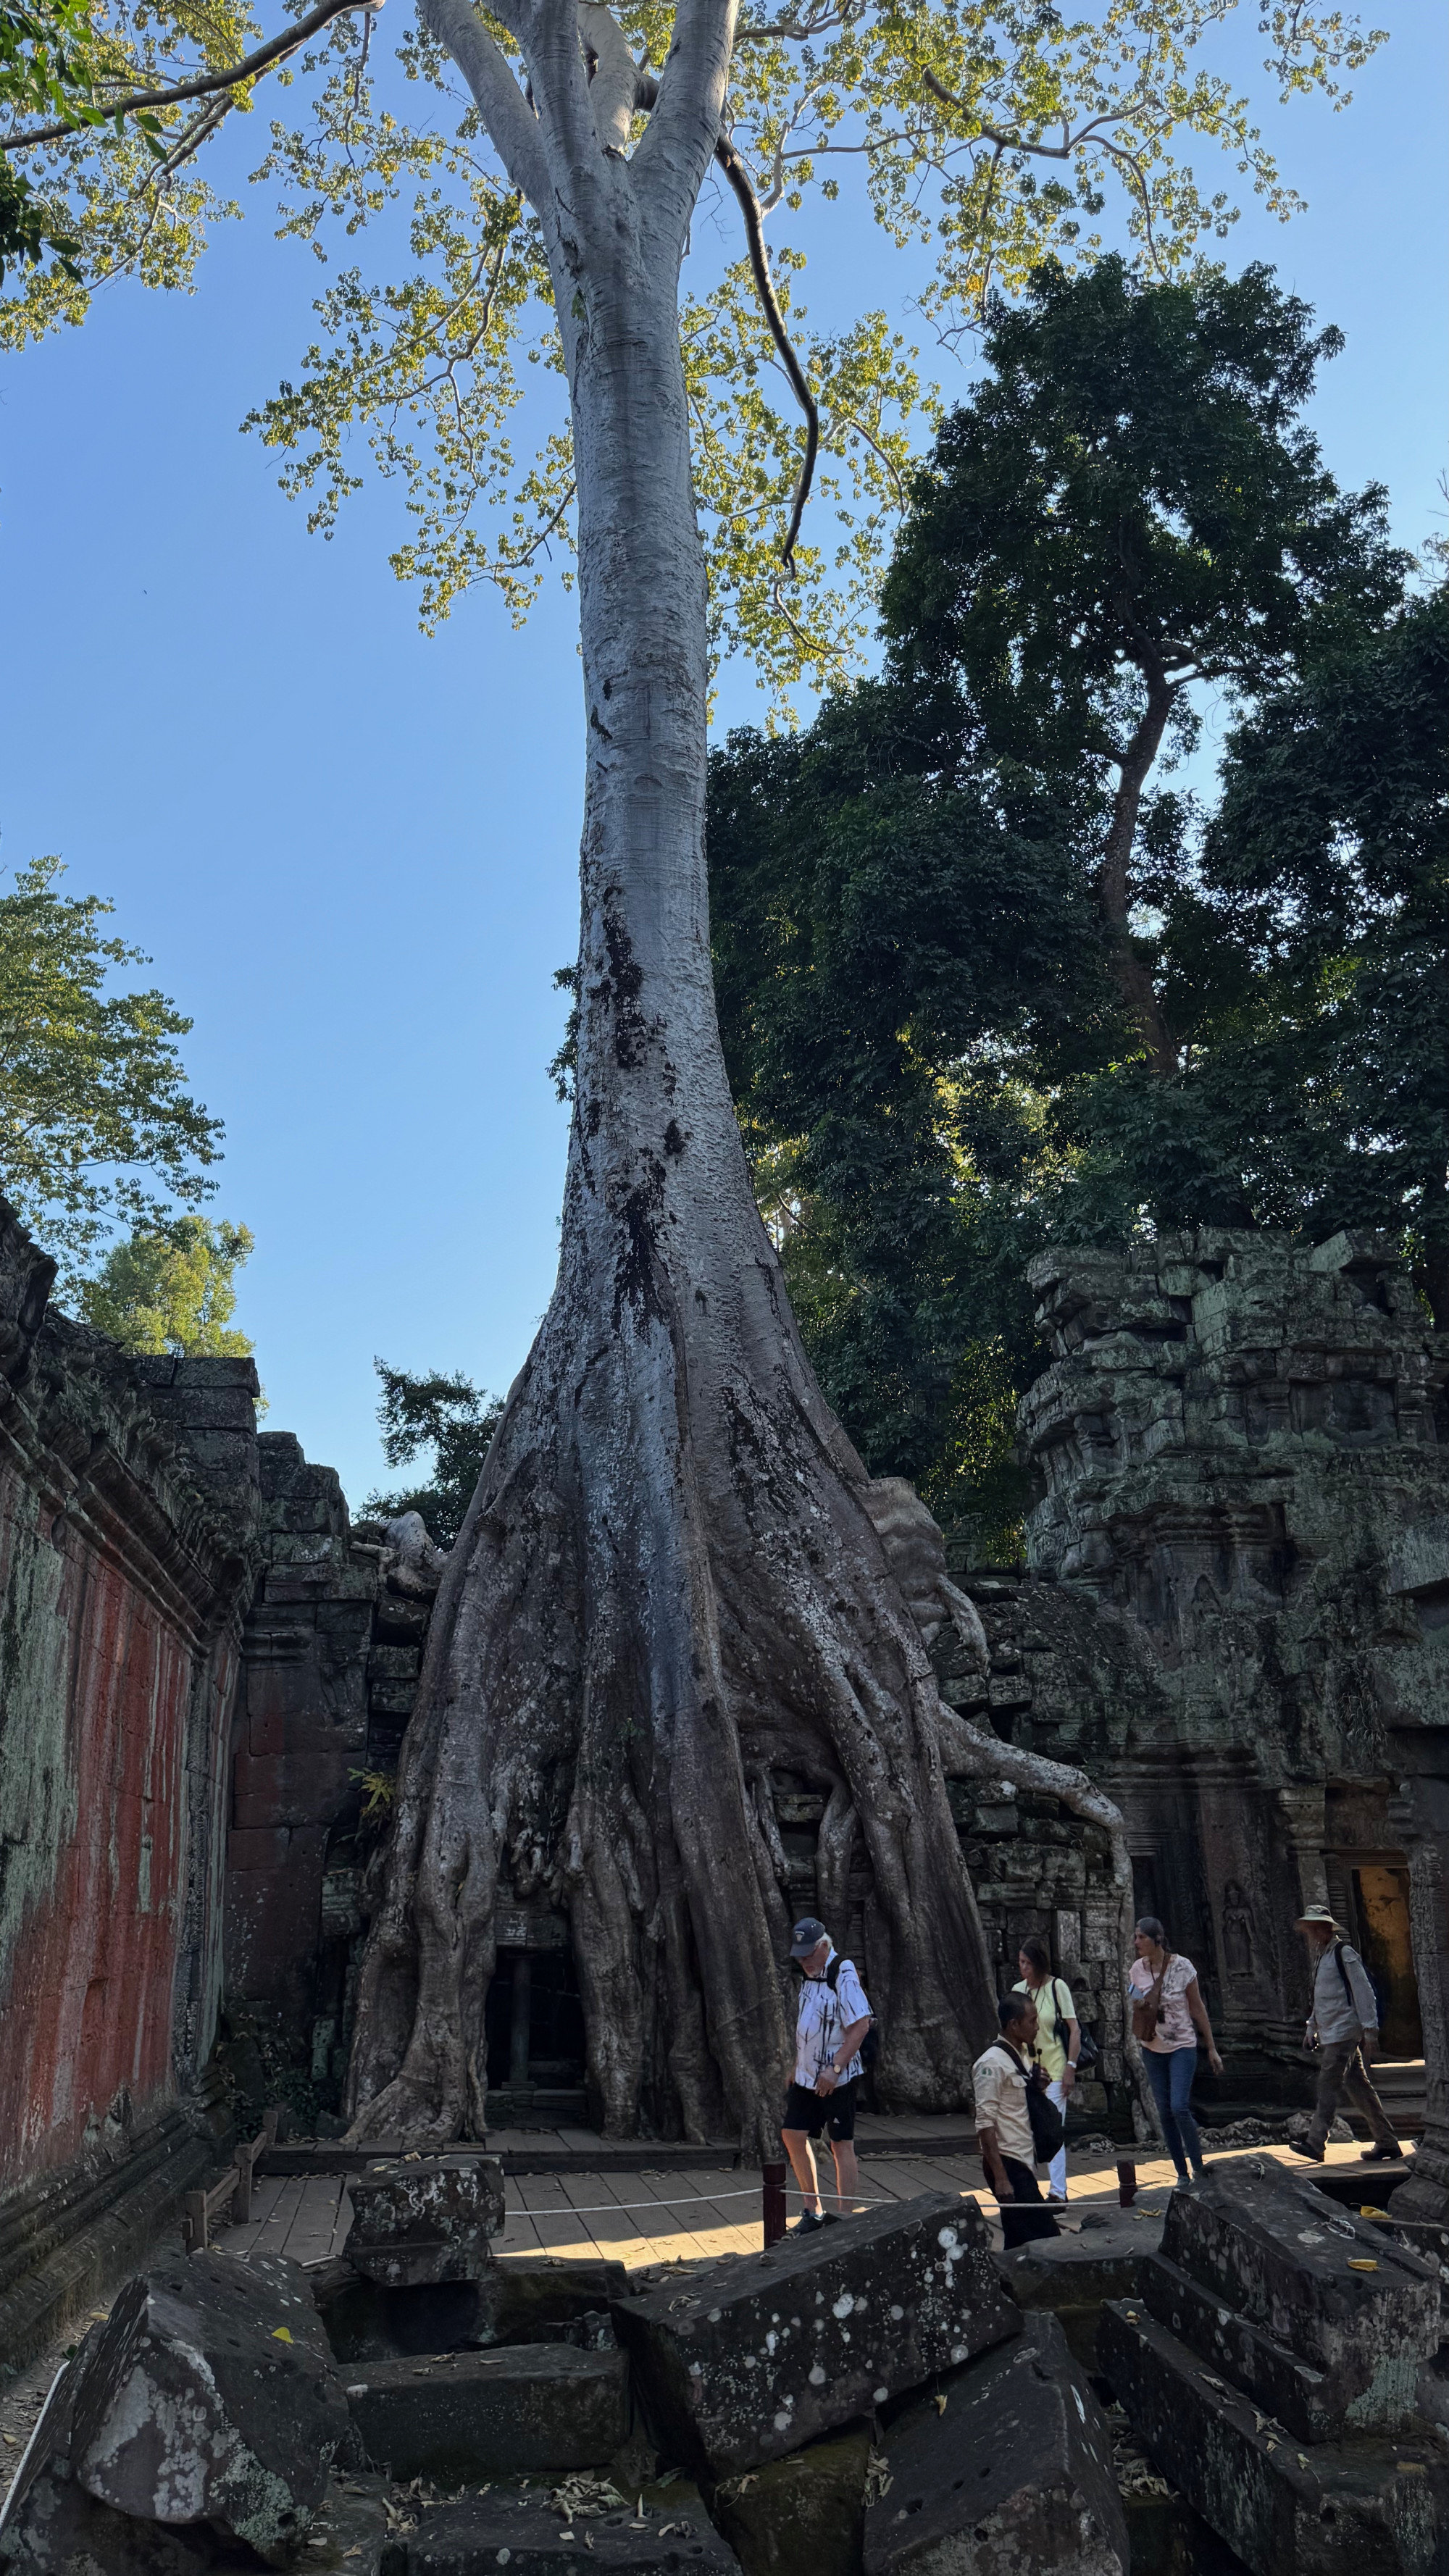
{"x": 1344, "y": 2027}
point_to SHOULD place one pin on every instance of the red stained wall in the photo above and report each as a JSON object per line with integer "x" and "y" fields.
{"x": 94, "y": 1846}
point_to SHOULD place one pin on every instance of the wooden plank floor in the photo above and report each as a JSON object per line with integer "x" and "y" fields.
{"x": 655, "y": 2216}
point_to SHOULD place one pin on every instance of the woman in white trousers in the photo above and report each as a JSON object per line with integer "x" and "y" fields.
{"x": 1058, "y": 2041}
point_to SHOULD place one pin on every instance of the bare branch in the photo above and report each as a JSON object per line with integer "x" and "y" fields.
{"x": 1091, "y": 132}
{"x": 205, "y": 85}
{"x": 734, "y": 170}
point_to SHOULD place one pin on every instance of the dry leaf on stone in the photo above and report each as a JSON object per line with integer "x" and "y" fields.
{"x": 877, "y": 2478}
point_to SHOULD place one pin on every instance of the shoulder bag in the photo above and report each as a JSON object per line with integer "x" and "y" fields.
{"x": 1048, "y": 2128}
{"x": 1087, "y": 2049}
{"x": 1147, "y": 2009}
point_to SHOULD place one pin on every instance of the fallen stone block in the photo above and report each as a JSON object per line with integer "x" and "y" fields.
{"x": 477, "y": 2537}
{"x": 50, "y": 2526}
{"x": 803, "y": 2512}
{"x": 1012, "y": 2477}
{"x": 489, "y": 2414}
{"x": 513, "y": 2302}
{"x": 1371, "y": 2506}
{"x": 1311, "y": 2287}
{"x": 1072, "y": 2277}
{"x": 1308, "y": 2403}
{"x": 425, "y": 2222}
{"x": 753, "y": 2357}
{"x": 209, "y": 2396}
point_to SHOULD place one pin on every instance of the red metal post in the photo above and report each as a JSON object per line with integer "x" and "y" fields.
{"x": 774, "y": 2211}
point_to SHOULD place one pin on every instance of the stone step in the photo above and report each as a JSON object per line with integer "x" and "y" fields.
{"x": 1374, "y": 2506}
{"x": 462, "y": 2416}
{"x": 1309, "y": 2403}
{"x": 1012, "y": 2476}
{"x": 755, "y": 2355}
{"x": 1336, "y": 2292}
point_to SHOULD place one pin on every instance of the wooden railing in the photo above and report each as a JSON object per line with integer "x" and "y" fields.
{"x": 233, "y": 2193}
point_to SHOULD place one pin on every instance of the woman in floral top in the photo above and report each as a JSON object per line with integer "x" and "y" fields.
{"x": 1170, "y": 2056}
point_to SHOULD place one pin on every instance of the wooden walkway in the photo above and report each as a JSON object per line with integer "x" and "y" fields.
{"x": 657, "y": 2215}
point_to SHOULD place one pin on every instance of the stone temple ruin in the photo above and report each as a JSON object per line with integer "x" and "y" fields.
{"x": 1233, "y": 1615}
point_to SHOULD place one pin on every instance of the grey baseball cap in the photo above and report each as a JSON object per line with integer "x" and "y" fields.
{"x": 807, "y": 1936}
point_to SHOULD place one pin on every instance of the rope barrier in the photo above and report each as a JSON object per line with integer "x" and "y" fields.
{"x": 690, "y": 2200}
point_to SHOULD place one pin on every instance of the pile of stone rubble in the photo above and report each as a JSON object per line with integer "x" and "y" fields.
{"x": 1284, "y": 2363}
{"x": 871, "y": 2400}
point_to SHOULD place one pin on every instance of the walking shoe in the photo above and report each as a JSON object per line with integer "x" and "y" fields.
{"x": 1313, "y": 2155}
{"x": 1382, "y": 2156}
{"x": 807, "y": 2223}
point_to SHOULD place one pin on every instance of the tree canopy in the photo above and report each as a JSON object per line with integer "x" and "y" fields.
{"x": 172, "y": 1288}
{"x": 452, "y": 1418}
{"x": 984, "y": 136}
{"x": 1131, "y": 504}
{"x": 969, "y": 992}
{"x": 1307, "y": 965}
{"x": 96, "y": 1125}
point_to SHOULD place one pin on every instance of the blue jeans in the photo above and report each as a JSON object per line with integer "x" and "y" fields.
{"x": 1170, "y": 2075}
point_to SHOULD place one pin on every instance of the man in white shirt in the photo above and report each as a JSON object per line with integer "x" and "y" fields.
{"x": 832, "y": 2021}
{"x": 1344, "y": 2024}
{"x": 1003, "y": 2123}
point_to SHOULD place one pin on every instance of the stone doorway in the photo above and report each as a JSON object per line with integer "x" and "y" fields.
{"x": 535, "y": 2034}
{"x": 1381, "y": 1903}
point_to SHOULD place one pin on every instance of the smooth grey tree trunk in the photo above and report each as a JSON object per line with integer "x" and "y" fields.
{"x": 670, "y": 1579}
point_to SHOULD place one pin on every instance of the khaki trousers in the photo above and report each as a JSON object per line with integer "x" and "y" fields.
{"x": 1341, "y": 2071}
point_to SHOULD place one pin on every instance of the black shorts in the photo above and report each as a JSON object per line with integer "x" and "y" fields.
{"x": 834, "y": 2113}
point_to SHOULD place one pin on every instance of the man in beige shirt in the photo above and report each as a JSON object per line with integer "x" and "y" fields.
{"x": 1003, "y": 2124}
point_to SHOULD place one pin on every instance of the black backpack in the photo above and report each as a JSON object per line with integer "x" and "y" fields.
{"x": 869, "y": 2049}
{"x": 1048, "y": 2128}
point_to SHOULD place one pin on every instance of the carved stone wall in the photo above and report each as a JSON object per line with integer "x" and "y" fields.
{"x": 1236, "y": 1609}
{"x": 331, "y": 1652}
{"x": 123, "y": 1578}
{"x": 126, "y": 1560}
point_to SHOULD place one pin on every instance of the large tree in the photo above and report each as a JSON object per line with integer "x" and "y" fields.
{"x": 96, "y": 1125}
{"x": 172, "y": 1287}
{"x": 1131, "y": 505}
{"x": 923, "y": 906}
{"x": 1308, "y": 968}
{"x": 449, "y": 1416}
{"x": 676, "y": 1573}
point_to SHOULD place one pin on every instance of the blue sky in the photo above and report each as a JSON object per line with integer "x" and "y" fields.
{"x": 350, "y": 850}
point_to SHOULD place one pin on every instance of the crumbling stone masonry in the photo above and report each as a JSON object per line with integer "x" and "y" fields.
{"x": 196, "y": 1654}
{"x": 125, "y": 1567}
{"x": 1236, "y": 1615}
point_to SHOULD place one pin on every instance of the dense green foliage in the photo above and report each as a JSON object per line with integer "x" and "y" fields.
{"x": 93, "y": 1109}
{"x": 898, "y": 933}
{"x": 971, "y": 991}
{"x": 172, "y": 1288}
{"x": 1308, "y": 967}
{"x": 456, "y": 1421}
{"x": 1129, "y": 505}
